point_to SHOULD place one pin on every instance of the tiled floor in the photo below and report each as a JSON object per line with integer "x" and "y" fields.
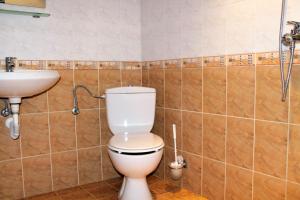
{"x": 108, "y": 190}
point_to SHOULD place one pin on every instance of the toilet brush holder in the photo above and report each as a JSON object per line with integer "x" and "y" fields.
{"x": 176, "y": 168}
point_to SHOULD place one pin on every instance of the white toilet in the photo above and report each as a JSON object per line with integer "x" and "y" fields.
{"x": 135, "y": 152}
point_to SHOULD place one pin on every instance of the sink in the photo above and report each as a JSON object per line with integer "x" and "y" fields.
{"x": 25, "y": 83}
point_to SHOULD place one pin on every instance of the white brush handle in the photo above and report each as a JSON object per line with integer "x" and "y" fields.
{"x": 174, "y": 137}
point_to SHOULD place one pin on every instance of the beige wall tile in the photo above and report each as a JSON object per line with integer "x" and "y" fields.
{"x": 268, "y": 95}
{"x": 89, "y": 163}
{"x": 295, "y": 96}
{"x": 214, "y": 90}
{"x": 192, "y": 89}
{"x": 213, "y": 179}
{"x": 34, "y": 104}
{"x": 131, "y": 77}
{"x": 240, "y": 135}
{"x": 106, "y": 134}
{"x": 192, "y": 173}
{"x": 9, "y": 148}
{"x": 238, "y": 184}
{"x": 172, "y": 117}
{"x": 60, "y": 96}
{"x": 145, "y": 77}
{"x": 159, "y": 123}
{"x": 214, "y": 136}
{"x": 293, "y": 191}
{"x": 157, "y": 81}
{"x": 88, "y": 78}
{"x": 108, "y": 78}
{"x": 62, "y": 131}
{"x": 88, "y": 128}
{"x": 64, "y": 170}
{"x": 107, "y": 167}
{"x": 270, "y": 141}
{"x": 173, "y": 88}
{"x": 11, "y": 185}
{"x": 37, "y": 175}
{"x": 240, "y": 89}
{"x": 294, "y": 154}
{"x": 266, "y": 187}
{"x": 34, "y": 134}
{"x": 192, "y": 132}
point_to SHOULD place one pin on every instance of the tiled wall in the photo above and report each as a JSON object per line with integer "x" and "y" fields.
{"x": 56, "y": 149}
{"x": 239, "y": 139}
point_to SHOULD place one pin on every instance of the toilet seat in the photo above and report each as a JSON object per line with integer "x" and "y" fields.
{"x": 135, "y": 143}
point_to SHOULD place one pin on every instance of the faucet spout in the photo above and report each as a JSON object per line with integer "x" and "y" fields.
{"x": 10, "y": 64}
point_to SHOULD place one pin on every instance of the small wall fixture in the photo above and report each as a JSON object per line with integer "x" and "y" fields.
{"x": 26, "y": 13}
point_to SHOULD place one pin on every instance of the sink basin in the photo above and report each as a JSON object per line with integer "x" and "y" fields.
{"x": 25, "y": 83}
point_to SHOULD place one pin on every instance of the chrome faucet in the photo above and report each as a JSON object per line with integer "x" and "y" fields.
{"x": 10, "y": 64}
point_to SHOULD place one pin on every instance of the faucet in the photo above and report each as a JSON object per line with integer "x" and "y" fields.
{"x": 10, "y": 64}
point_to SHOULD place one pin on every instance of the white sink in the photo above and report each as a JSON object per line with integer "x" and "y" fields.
{"x": 25, "y": 83}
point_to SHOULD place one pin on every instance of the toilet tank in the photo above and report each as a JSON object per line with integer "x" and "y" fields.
{"x": 130, "y": 109}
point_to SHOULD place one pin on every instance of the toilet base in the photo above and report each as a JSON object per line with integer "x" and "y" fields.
{"x": 134, "y": 189}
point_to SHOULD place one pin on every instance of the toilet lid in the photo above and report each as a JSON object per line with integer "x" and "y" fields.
{"x": 136, "y": 142}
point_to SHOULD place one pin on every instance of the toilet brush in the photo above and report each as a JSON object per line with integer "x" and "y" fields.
{"x": 179, "y": 163}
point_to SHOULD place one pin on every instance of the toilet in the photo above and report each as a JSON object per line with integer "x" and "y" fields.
{"x": 134, "y": 151}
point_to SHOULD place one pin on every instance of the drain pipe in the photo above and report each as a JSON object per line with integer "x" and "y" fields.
{"x": 13, "y": 122}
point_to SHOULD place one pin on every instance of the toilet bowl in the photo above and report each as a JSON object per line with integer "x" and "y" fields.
{"x": 134, "y": 151}
{"x": 135, "y": 163}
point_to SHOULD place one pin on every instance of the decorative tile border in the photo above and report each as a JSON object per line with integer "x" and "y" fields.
{"x": 60, "y": 65}
{"x": 85, "y": 65}
{"x": 24, "y": 64}
{"x": 214, "y": 61}
{"x": 145, "y": 65}
{"x": 171, "y": 64}
{"x": 261, "y": 58}
{"x": 297, "y": 57}
{"x": 240, "y": 60}
{"x": 131, "y": 65}
{"x": 39, "y": 64}
{"x": 156, "y": 65}
{"x": 2, "y": 64}
{"x": 109, "y": 65}
{"x": 192, "y": 62}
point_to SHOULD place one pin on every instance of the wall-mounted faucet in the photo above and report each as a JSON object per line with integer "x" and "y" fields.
{"x": 10, "y": 63}
{"x": 288, "y": 40}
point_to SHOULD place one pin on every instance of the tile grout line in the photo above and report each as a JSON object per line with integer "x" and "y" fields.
{"x": 59, "y": 111}
{"x": 164, "y": 73}
{"x": 22, "y": 165}
{"x": 287, "y": 144}
{"x": 75, "y": 129}
{"x": 50, "y": 148}
{"x": 45, "y": 154}
{"x": 100, "y": 126}
{"x": 202, "y": 130}
{"x": 232, "y": 116}
{"x": 181, "y": 121}
{"x": 226, "y": 130}
{"x": 120, "y": 73}
{"x": 254, "y": 130}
